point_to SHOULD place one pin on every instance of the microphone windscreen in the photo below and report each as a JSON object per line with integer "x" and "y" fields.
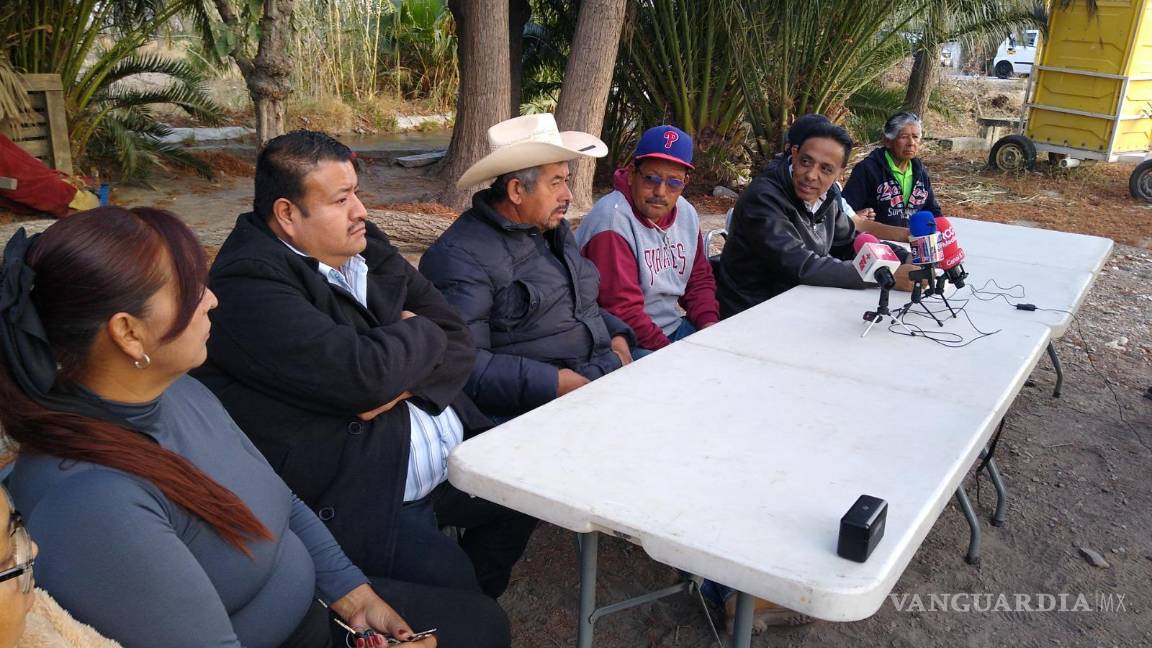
{"x": 862, "y": 240}
{"x": 949, "y": 246}
{"x": 922, "y": 223}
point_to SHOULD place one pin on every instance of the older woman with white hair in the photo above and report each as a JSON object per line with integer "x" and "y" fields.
{"x": 892, "y": 181}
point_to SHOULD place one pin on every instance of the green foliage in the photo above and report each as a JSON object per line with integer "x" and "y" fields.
{"x": 870, "y": 106}
{"x": 976, "y": 23}
{"x": 676, "y": 68}
{"x": 807, "y": 57}
{"x": 421, "y": 44}
{"x": 357, "y": 49}
{"x": 95, "y": 47}
{"x": 547, "y": 44}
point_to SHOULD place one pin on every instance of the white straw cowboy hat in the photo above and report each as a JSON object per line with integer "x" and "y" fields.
{"x": 529, "y": 141}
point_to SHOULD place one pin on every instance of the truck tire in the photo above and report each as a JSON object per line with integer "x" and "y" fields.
{"x": 1012, "y": 153}
{"x": 1003, "y": 69}
{"x": 1140, "y": 182}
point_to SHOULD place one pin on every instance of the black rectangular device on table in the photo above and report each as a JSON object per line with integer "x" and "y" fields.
{"x": 861, "y": 528}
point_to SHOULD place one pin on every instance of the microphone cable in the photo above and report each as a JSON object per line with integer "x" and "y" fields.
{"x": 984, "y": 294}
{"x": 943, "y": 338}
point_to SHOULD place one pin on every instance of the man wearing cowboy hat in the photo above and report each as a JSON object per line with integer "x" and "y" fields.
{"x": 511, "y": 267}
{"x": 345, "y": 367}
{"x": 645, "y": 239}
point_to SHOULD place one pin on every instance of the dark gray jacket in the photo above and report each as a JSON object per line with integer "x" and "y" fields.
{"x": 529, "y": 300}
{"x": 774, "y": 243}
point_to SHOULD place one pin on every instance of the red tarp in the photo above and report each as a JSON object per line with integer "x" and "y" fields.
{"x": 39, "y": 189}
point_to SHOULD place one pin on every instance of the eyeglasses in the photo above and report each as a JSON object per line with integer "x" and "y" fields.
{"x": 654, "y": 181}
{"x": 22, "y": 555}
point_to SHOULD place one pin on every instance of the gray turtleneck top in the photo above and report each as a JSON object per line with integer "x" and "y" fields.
{"x": 120, "y": 556}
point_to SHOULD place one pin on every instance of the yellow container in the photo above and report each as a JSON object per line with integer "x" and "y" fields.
{"x": 1092, "y": 92}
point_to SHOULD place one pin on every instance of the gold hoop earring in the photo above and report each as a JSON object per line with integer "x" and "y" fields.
{"x": 142, "y": 363}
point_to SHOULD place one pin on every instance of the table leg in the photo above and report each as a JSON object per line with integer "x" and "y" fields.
{"x": 1001, "y": 494}
{"x": 589, "y": 543}
{"x": 742, "y": 629}
{"x": 1059, "y": 371}
{"x": 973, "y": 557}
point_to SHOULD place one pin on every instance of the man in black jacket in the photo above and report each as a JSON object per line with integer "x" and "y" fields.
{"x": 510, "y": 265}
{"x": 786, "y": 223}
{"x": 345, "y": 367}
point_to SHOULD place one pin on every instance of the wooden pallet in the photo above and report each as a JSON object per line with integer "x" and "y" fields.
{"x": 44, "y": 132}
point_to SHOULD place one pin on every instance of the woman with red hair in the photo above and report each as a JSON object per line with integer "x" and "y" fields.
{"x": 160, "y": 524}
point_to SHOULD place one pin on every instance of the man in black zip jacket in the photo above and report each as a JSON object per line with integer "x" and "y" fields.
{"x": 786, "y": 223}
{"x": 892, "y": 181}
{"x": 346, "y": 368}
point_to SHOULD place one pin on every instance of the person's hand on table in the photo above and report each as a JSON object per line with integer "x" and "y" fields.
{"x": 863, "y": 215}
{"x": 570, "y": 381}
{"x": 362, "y": 608}
{"x": 371, "y": 414}
{"x": 620, "y": 348}
{"x": 903, "y": 282}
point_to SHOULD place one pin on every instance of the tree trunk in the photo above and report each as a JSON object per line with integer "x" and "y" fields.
{"x": 267, "y": 74}
{"x": 519, "y": 12}
{"x": 587, "y": 79}
{"x": 485, "y": 89}
{"x": 410, "y": 232}
{"x": 925, "y": 72}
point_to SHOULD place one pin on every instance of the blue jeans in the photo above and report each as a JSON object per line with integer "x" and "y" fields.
{"x": 684, "y": 330}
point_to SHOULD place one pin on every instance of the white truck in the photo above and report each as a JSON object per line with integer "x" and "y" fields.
{"x": 1014, "y": 57}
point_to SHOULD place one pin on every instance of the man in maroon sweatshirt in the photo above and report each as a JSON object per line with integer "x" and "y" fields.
{"x": 645, "y": 239}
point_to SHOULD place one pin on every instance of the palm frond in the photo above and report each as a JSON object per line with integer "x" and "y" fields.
{"x": 985, "y": 24}
{"x": 676, "y": 68}
{"x": 149, "y": 63}
{"x": 121, "y": 140}
{"x": 13, "y": 97}
{"x": 125, "y": 16}
{"x": 806, "y": 57}
{"x": 870, "y": 106}
{"x": 191, "y": 98}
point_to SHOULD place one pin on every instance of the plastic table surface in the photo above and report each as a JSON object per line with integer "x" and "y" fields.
{"x": 819, "y": 329}
{"x": 1031, "y": 245}
{"x": 1060, "y": 291}
{"x": 734, "y": 454}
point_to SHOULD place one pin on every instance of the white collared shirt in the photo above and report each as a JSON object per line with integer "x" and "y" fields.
{"x": 433, "y": 437}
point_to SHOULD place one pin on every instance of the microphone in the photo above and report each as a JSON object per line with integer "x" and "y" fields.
{"x": 875, "y": 261}
{"x": 953, "y": 254}
{"x": 926, "y": 253}
{"x": 924, "y": 239}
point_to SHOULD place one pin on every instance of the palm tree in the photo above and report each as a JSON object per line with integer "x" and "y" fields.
{"x": 807, "y": 57}
{"x": 94, "y": 45}
{"x": 677, "y": 68}
{"x": 969, "y": 21}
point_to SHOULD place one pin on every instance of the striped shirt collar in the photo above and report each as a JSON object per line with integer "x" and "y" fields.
{"x": 352, "y": 276}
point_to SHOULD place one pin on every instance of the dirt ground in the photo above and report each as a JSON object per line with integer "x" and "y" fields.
{"x": 1077, "y": 467}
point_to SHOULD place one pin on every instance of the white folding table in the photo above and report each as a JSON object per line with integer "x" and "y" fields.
{"x": 1057, "y": 293}
{"x": 734, "y": 453}
{"x": 1032, "y": 245}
